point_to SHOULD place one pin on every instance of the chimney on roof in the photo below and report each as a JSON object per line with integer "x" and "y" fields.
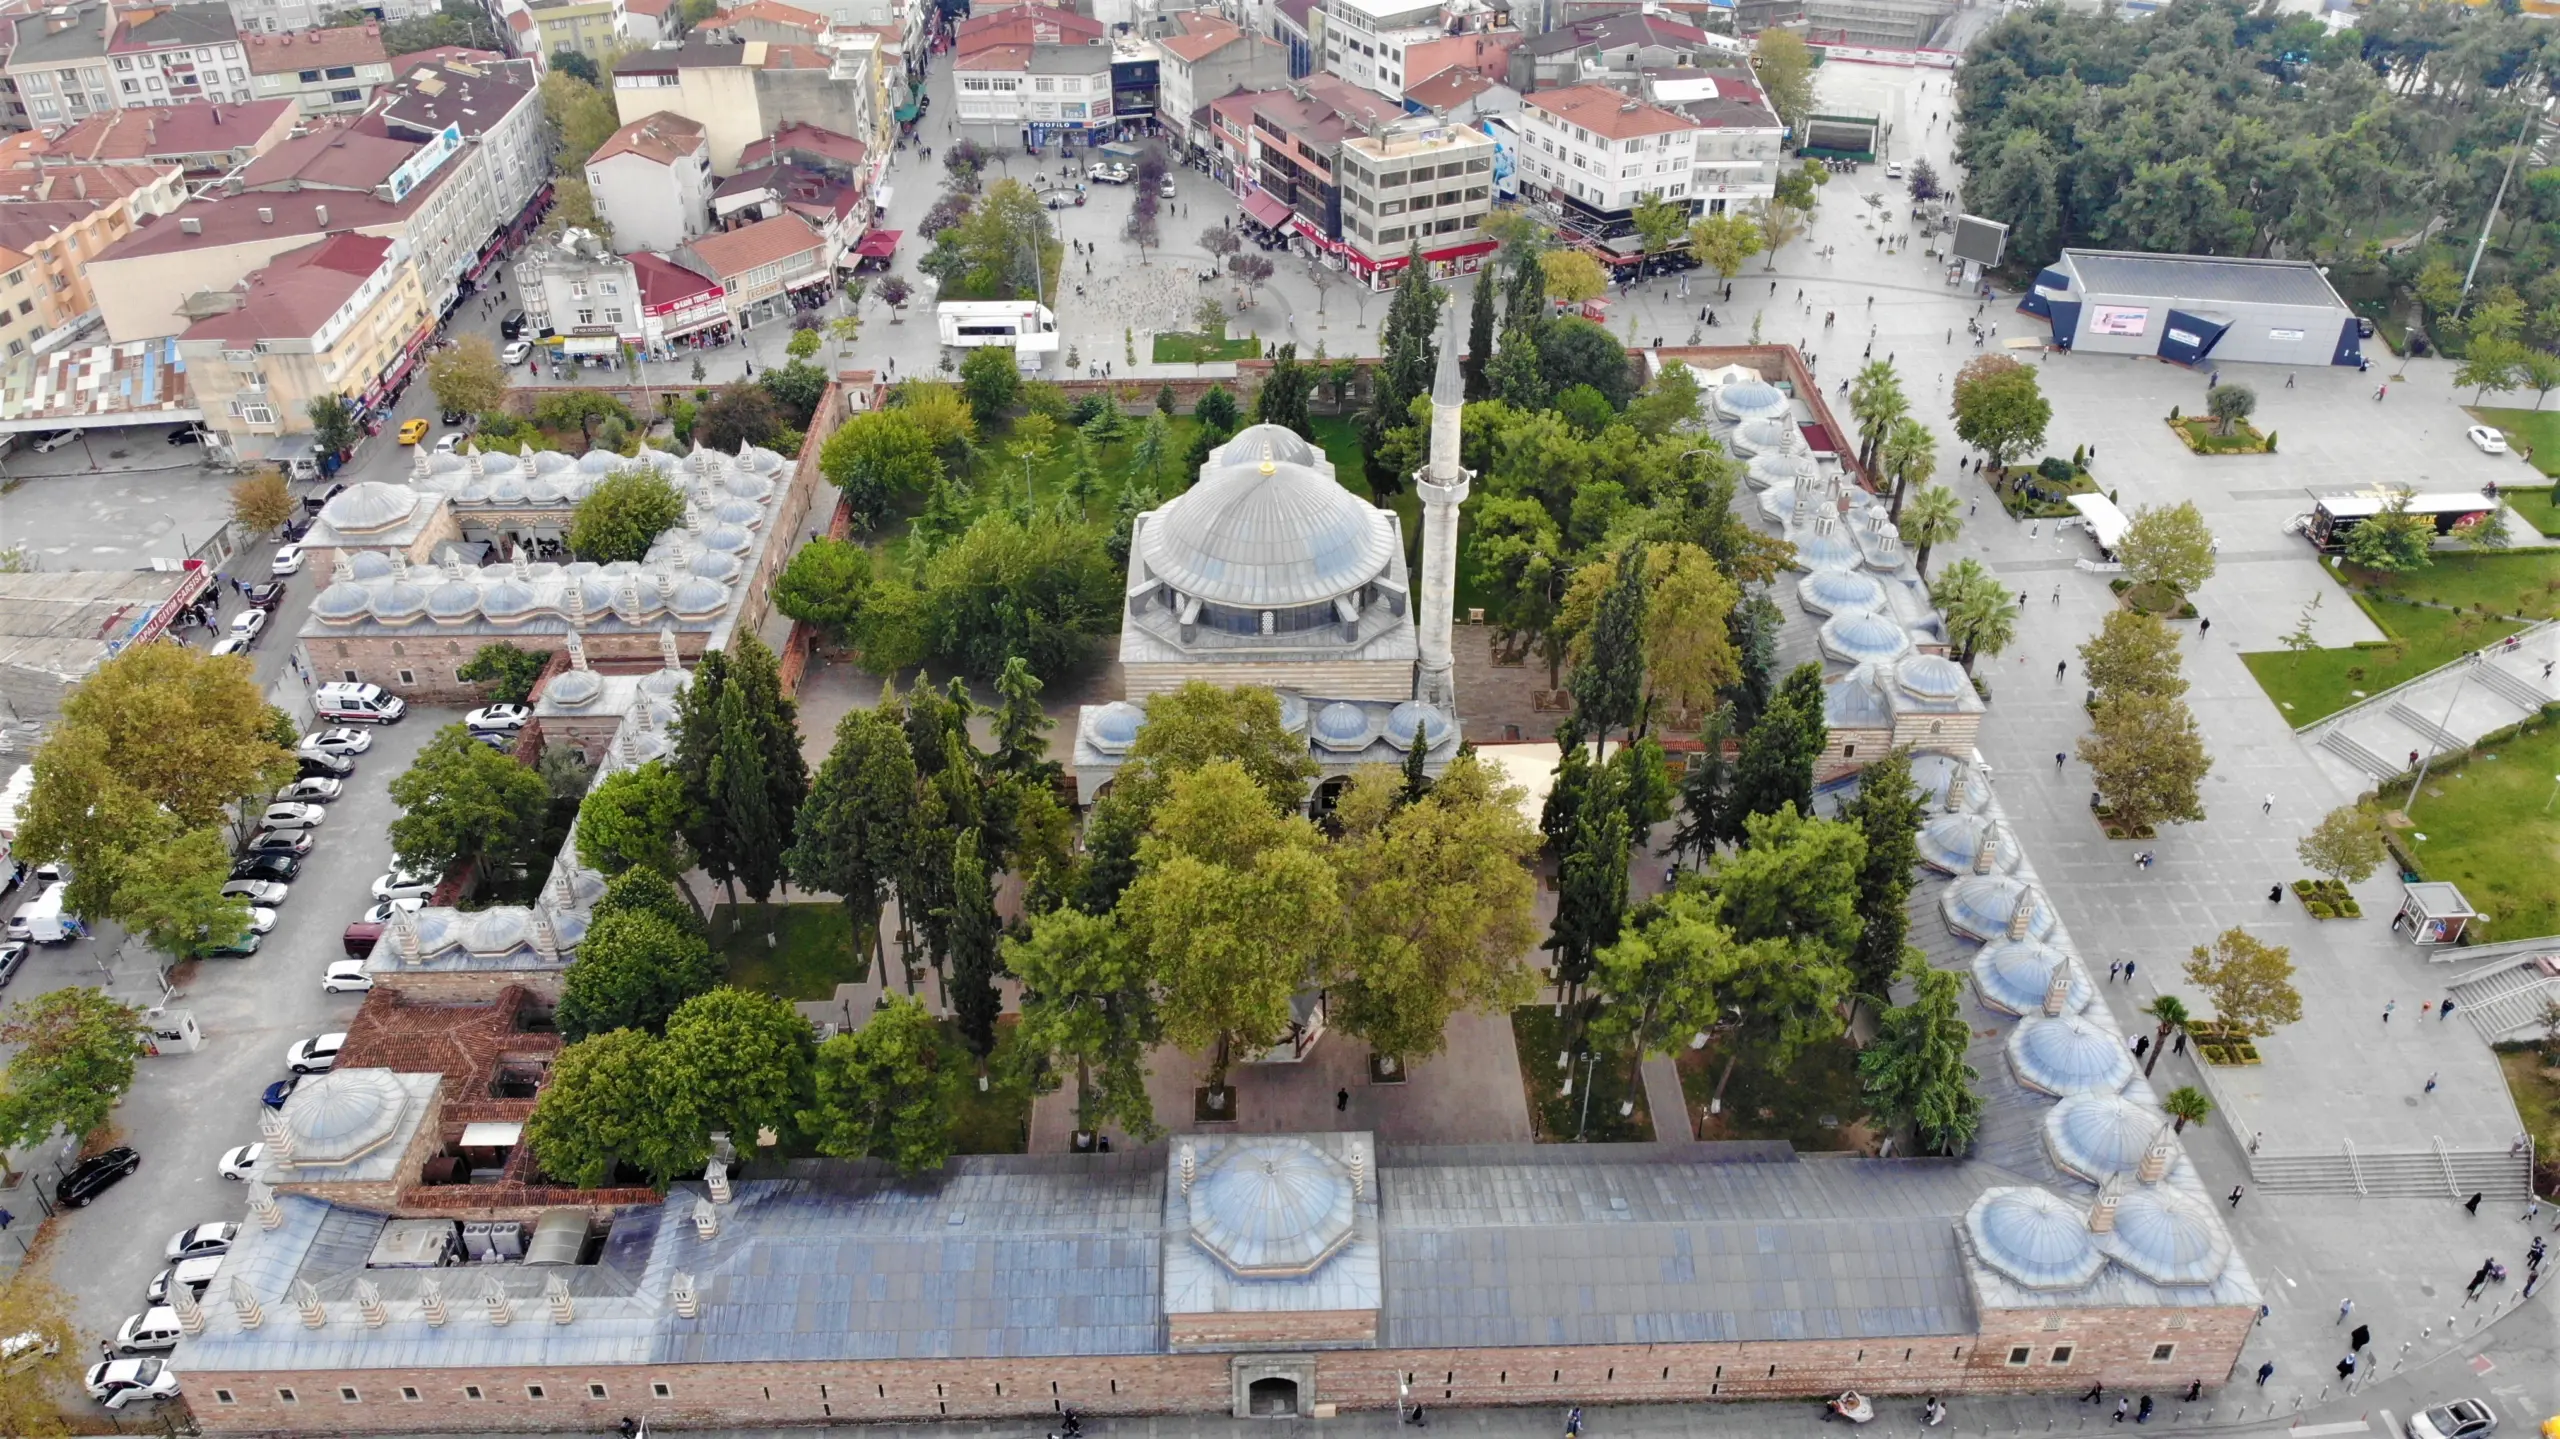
{"x": 320, "y": 213}
{"x": 266, "y": 214}
{"x": 190, "y": 225}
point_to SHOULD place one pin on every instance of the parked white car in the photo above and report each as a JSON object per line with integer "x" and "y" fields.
{"x": 288, "y": 814}
{"x": 317, "y": 790}
{"x": 261, "y": 893}
{"x": 316, "y": 1055}
{"x": 502, "y": 718}
{"x": 241, "y": 1161}
{"x": 119, "y": 1382}
{"x": 338, "y": 741}
{"x": 2491, "y": 440}
{"x": 249, "y": 624}
{"x": 401, "y": 884}
{"x": 214, "y": 1236}
{"x": 288, "y": 561}
{"x": 346, "y": 976}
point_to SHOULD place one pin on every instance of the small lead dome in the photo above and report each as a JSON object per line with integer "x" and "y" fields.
{"x": 2167, "y": 1238}
{"x": 1342, "y": 725}
{"x": 1830, "y": 592}
{"x": 2096, "y": 1136}
{"x": 2012, "y": 976}
{"x": 2035, "y": 1237}
{"x": 342, "y": 1116}
{"x": 1272, "y": 1208}
{"x": 1750, "y": 400}
{"x": 2068, "y": 1056}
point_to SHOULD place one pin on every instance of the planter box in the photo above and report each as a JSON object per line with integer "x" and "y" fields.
{"x": 2327, "y": 899}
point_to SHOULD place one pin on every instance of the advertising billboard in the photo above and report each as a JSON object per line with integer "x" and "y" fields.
{"x": 2119, "y": 319}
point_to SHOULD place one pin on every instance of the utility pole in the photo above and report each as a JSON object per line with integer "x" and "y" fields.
{"x": 2532, "y": 113}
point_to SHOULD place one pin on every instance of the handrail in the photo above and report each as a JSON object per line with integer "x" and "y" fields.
{"x": 2353, "y": 1167}
{"x": 2453, "y": 1186}
{"x": 2462, "y": 661}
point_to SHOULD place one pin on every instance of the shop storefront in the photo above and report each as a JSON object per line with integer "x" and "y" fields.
{"x": 1446, "y": 264}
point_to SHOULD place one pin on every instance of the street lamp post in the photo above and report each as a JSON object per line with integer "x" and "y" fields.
{"x": 2411, "y": 803}
{"x": 1590, "y": 1059}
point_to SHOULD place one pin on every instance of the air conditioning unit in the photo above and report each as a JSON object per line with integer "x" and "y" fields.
{"x": 506, "y": 1240}
{"x": 475, "y": 1239}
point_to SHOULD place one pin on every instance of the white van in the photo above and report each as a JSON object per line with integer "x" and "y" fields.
{"x": 40, "y": 920}
{"x": 359, "y": 703}
{"x": 197, "y": 1274}
{"x": 149, "y": 1332}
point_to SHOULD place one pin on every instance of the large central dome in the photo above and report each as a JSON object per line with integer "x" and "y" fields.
{"x": 1267, "y": 527}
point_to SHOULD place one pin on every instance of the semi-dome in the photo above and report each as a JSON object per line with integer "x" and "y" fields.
{"x": 1862, "y": 636}
{"x": 2034, "y": 1237}
{"x": 2012, "y": 976}
{"x": 1342, "y": 725}
{"x": 2068, "y": 1055}
{"x": 1115, "y": 726}
{"x": 1273, "y": 1208}
{"x": 1405, "y": 718}
{"x": 1953, "y": 844}
{"x": 2167, "y": 1238}
{"x": 2096, "y": 1136}
{"x": 1259, "y": 530}
{"x": 1761, "y": 437}
{"x": 369, "y": 506}
{"x": 342, "y": 1116}
{"x": 1750, "y": 400}
{"x": 1293, "y": 711}
{"x": 1829, "y": 592}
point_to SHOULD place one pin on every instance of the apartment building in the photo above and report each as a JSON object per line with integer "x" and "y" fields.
{"x": 1615, "y": 50}
{"x": 57, "y": 63}
{"x": 54, "y": 218}
{"x": 323, "y": 72}
{"x": 1365, "y": 40}
{"x": 200, "y": 138}
{"x": 1299, "y": 27}
{"x": 765, "y": 270}
{"x": 275, "y": 17}
{"x": 576, "y": 290}
{"x": 493, "y": 112}
{"x": 1417, "y": 181}
{"x": 1601, "y": 152}
{"x": 169, "y": 54}
{"x": 1038, "y": 91}
{"x": 1202, "y": 58}
{"x": 341, "y": 316}
{"x": 593, "y": 28}
{"x": 1740, "y": 144}
{"x": 740, "y": 93}
{"x": 652, "y": 183}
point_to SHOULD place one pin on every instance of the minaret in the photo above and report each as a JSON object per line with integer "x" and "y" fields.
{"x": 1442, "y": 487}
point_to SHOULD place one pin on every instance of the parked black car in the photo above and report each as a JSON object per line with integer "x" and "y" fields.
{"x": 94, "y": 1175}
{"x": 325, "y": 766}
{"x": 281, "y": 867}
{"x": 295, "y": 529}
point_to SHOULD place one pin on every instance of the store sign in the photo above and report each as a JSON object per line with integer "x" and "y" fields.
{"x": 2181, "y": 337}
{"x": 2288, "y": 336}
{"x": 2119, "y": 320}
{"x": 429, "y": 159}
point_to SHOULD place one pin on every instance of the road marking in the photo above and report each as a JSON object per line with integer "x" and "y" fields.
{"x": 2313, "y": 1431}
{"x": 2482, "y": 1364}
{"x": 2390, "y": 1425}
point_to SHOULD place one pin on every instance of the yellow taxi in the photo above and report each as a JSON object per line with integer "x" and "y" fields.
{"x": 412, "y": 431}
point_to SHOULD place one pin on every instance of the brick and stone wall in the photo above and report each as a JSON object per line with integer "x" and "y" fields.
{"x": 429, "y": 659}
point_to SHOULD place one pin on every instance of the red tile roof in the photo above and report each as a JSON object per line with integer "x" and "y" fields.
{"x": 147, "y": 131}
{"x": 802, "y": 139}
{"x": 664, "y": 282}
{"x": 1608, "y": 113}
{"x": 1202, "y": 37}
{"x": 442, "y": 55}
{"x": 297, "y": 291}
{"x": 662, "y": 138}
{"x": 1450, "y": 88}
{"x": 1025, "y": 25}
{"x": 309, "y": 49}
{"x": 736, "y": 252}
{"x": 772, "y": 12}
{"x": 94, "y": 186}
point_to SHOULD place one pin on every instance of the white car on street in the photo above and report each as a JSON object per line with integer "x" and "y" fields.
{"x": 241, "y": 1161}
{"x": 381, "y": 913}
{"x": 401, "y": 884}
{"x": 319, "y": 790}
{"x": 288, "y": 560}
{"x": 119, "y": 1382}
{"x": 290, "y": 814}
{"x": 2490, "y": 439}
{"x": 315, "y": 1055}
{"x": 262, "y": 893}
{"x": 214, "y": 1236}
{"x": 249, "y": 624}
{"x": 339, "y": 741}
{"x": 498, "y": 718}
{"x": 346, "y": 976}
{"x": 516, "y": 352}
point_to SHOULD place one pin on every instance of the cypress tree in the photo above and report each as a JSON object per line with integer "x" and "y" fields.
{"x": 1022, "y": 727}
{"x": 1705, "y": 791}
{"x": 1608, "y": 686}
{"x": 697, "y": 737}
{"x": 1479, "y": 338}
{"x": 973, "y": 931}
{"x": 1775, "y": 769}
{"x": 775, "y": 719}
{"x": 1417, "y": 781}
{"x": 859, "y": 819}
{"x": 1889, "y": 812}
{"x": 742, "y": 793}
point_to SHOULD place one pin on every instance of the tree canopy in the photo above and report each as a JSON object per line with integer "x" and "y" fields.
{"x": 623, "y": 515}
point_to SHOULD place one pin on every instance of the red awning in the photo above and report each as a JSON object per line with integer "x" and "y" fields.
{"x": 1817, "y": 437}
{"x": 1267, "y": 209}
{"x": 878, "y": 244}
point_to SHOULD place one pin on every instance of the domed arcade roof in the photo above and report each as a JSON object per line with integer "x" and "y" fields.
{"x": 1272, "y": 1208}
{"x": 369, "y": 506}
{"x": 2012, "y": 975}
{"x": 343, "y": 1115}
{"x": 2068, "y": 1056}
{"x": 2167, "y": 1238}
{"x": 2099, "y": 1135}
{"x": 1263, "y": 529}
{"x": 2035, "y": 1237}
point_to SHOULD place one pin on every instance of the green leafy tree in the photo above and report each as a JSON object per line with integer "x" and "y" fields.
{"x": 796, "y": 387}
{"x": 333, "y": 425}
{"x": 1516, "y": 377}
{"x": 741, "y": 799}
{"x": 2346, "y": 845}
{"x": 606, "y": 1106}
{"x": 803, "y": 344}
{"x": 1784, "y": 65}
{"x": 1574, "y": 351}
{"x": 2185, "y": 1105}
{"x": 1591, "y": 889}
{"x": 991, "y": 384}
{"x": 467, "y": 377}
{"x": 1438, "y": 906}
{"x": 1201, "y": 724}
{"x": 2487, "y": 531}
{"x": 1877, "y": 403}
{"x": 1888, "y": 811}
{"x": 827, "y": 584}
{"x": 262, "y": 504}
{"x": 880, "y": 458}
{"x": 1669, "y": 403}
{"x": 858, "y": 820}
{"x": 1409, "y": 354}
{"x": 632, "y": 971}
{"x": 461, "y": 800}
{"x": 2133, "y": 652}
{"x": 737, "y": 1061}
{"x": 2146, "y": 759}
{"x": 1009, "y": 586}
{"x": 71, "y": 1062}
{"x": 2393, "y": 541}
{"x": 1915, "y": 1072}
{"x": 697, "y": 740}
{"x": 1004, "y": 243}
{"x": 1724, "y": 243}
{"x": 1664, "y": 978}
{"x": 1022, "y": 727}
{"x": 1794, "y": 879}
{"x": 633, "y": 817}
{"x": 1705, "y": 790}
{"x": 1285, "y": 392}
{"x": 1572, "y": 276}
{"x": 739, "y": 413}
{"x": 1088, "y": 1004}
{"x": 2229, "y": 405}
{"x": 1660, "y": 224}
{"x": 2494, "y": 363}
{"x": 1931, "y": 519}
{"x": 646, "y": 891}
{"x": 2249, "y": 981}
{"x": 2168, "y": 547}
{"x": 1908, "y": 456}
{"x": 1233, "y": 905}
{"x": 504, "y": 673}
{"x": 172, "y": 898}
{"x": 1780, "y": 223}
{"x": 1608, "y": 685}
{"x": 623, "y": 515}
{"x": 1775, "y": 768}
{"x": 886, "y": 1091}
{"x": 2000, "y": 408}
{"x": 2538, "y": 371}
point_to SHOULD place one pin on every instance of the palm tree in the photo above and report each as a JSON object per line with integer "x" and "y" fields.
{"x": 2171, "y": 1011}
{"x": 1930, "y": 521}
{"x": 2186, "y": 1104}
{"x": 1980, "y": 612}
{"x": 1909, "y": 454}
{"x": 1876, "y": 402}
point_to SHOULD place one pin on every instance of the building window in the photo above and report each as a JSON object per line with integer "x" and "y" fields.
{"x": 309, "y": 77}
{"x": 342, "y": 72}
{"x": 661, "y": 1391}
{"x": 347, "y": 1394}
{"x": 224, "y": 1396}
{"x": 2062, "y": 1354}
{"x": 345, "y": 97}
{"x": 531, "y": 1391}
{"x": 2019, "y": 1354}
{"x": 2163, "y": 1353}
{"x": 287, "y": 1396}
{"x": 586, "y": 317}
{"x": 595, "y": 1391}
{"x": 408, "y": 1394}
{"x": 408, "y": 678}
{"x": 469, "y": 1391}
{"x": 258, "y": 414}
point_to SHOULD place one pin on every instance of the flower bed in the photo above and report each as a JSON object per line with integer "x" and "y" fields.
{"x": 2198, "y": 434}
{"x": 2327, "y": 899}
{"x": 2221, "y": 1044}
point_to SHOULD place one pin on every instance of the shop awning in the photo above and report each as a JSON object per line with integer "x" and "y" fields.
{"x": 1267, "y": 209}
{"x": 908, "y": 112}
{"x": 878, "y": 244}
{"x": 491, "y": 1134}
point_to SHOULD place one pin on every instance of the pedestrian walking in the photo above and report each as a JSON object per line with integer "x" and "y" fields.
{"x": 2057, "y": 594}
{"x": 2533, "y": 1210}
{"x": 2123, "y": 1407}
{"x": 2236, "y": 1191}
{"x": 2114, "y": 969}
{"x": 2203, "y": 628}
{"x": 2096, "y": 1392}
{"x": 2431, "y": 1082}
{"x": 2143, "y": 1415}
{"x": 2178, "y": 1045}
{"x": 2128, "y": 964}
{"x": 1341, "y": 1100}
{"x": 1573, "y": 1416}
{"x": 2347, "y": 1367}
{"x": 2266, "y": 1372}
{"x": 2389, "y": 1005}
{"x": 2141, "y": 1046}
{"x": 2060, "y": 667}
{"x": 2471, "y": 1206}
{"x": 2269, "y": 807}
{"x": 2257, "y": 1139}
{"x": 2345, "y": 1308}
{"x": 2444, "y": 1010}
{"x": 2275, "y": 895}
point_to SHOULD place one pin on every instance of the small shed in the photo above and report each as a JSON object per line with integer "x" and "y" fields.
{"x": 2435, "y": 913}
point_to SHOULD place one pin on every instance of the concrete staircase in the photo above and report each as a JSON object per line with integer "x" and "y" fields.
{"x": 2441, "y": 1173}
{"x": 2346, "y": 747}
{"x": 2434, "y": 734}
{"x": 2514, "y": 688}
{"x": 2503, "y": 1001}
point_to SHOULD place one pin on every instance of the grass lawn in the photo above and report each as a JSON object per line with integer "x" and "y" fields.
{"x": 815, "y": 953}
{"x": 2517, "y": 582}
{"x": 2028, "y": 495}
{"x": 2489, "y": 826}
{"x": 2535, "y": 430}
{"x": 2535, "y": 506}
{"x": 2320, "y": 682}
{"x": 1559, "y": 1118}
{"x": 1816, "y": 1104}
{"x": 2200, "y": 436}
{"x": 998, "y": 1120}
{"x": 2536, "y": 1087}
{"x": 1181, "y": 348}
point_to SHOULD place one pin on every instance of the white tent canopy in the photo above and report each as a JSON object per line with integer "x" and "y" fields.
{"x": 2106, "y": 522}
